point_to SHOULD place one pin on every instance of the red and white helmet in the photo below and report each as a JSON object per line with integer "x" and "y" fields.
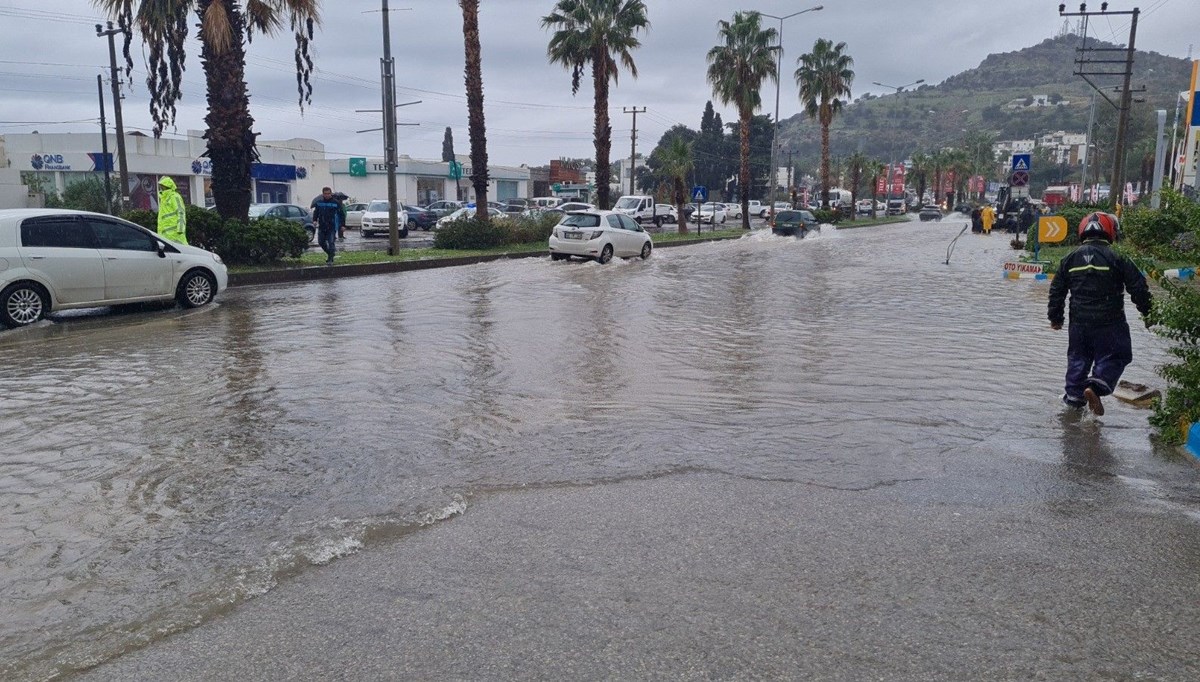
{"x": 1099, "y": 225}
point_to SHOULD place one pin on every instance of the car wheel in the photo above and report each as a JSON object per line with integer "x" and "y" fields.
{"x": 637, "y": 219}
{"x": 722, "y": 220}
{"x": 197, "y": 288}
{"x": 606, "y": 254}
{"x": 412, "y": 224}
{"x": 23, "y": 303}
{"x": 312, "y": 234}
{"x": 646, "y": 249}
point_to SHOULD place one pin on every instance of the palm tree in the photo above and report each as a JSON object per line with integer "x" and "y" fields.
{"x": 736, "y": 71}
{"x": 879, "y": 171}
{"x": 922, "y": 167}
{"x": 225, "y": 26}
{"x": 596, "y": 32}
{"x": 675, "y": 161}
{"x": 475, "y": 125}
{"x": 858, "y": 166}
{"x": 824, "y": 77}
{"x": 940, "y": 164}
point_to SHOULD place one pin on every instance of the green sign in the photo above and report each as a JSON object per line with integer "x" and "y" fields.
{"x": 358, "y": 166}
{"x": 456, "y": 170}
{"x": 556, "y": 187}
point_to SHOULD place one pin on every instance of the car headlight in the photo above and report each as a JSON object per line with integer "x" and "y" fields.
{"x": 218, "y": 259}
{"x": 596, "y": 234}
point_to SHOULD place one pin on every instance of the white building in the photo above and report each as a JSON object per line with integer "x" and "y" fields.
{"x": 289, "y": 171}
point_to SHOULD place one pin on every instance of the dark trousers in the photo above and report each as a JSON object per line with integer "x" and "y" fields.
{"x": 327, "y": 239}
{"x": 1096, "y": 357}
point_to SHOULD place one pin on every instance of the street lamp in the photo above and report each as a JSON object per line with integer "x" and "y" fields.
{"x": 778, "y": 78}
{"x": 898, "y": 88}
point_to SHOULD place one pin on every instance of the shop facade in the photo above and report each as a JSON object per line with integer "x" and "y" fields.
{"x": 418, "y": 182}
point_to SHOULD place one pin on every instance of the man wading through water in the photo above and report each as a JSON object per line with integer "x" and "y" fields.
{"x": 1097, "y": 278}
{"x": 327, "y": 214}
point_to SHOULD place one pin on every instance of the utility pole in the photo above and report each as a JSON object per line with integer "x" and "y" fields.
{"x": 104, "y": 147}
{"x": 1087, "y": 148}
{"x": 633, "y": 145}
{"x": 790, "y": 193}
{"x": 1117, "y": 180}
{"x": 116, "y": 95}
{"x": 388, "y": 68}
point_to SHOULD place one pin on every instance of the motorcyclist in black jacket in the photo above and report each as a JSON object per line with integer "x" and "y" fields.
{"x": 1096, "y": 277}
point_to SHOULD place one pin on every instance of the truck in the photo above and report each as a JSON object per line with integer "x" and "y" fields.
{"x": 641, "y": 208}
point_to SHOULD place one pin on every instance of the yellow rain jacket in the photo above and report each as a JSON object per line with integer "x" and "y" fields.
{"x": 172, "y": 212}
{"x": 989, "y": 219}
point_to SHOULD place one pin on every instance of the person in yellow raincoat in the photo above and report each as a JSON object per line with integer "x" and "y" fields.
{"x": 989, "y": 218}
{"x": 172, "y": 212}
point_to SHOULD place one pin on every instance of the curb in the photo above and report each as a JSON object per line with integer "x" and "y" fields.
{"x": 316, "y": 272}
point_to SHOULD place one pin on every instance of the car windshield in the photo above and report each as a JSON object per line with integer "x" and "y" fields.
{"x": 256, "y": 210}
{"x": 581, "y": 220}
{"x": 788, "y": 215}
{"x": 377, "y": 207}
{"x": 626, "y": 202}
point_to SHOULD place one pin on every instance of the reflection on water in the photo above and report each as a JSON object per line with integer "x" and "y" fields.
{"x": 160, "y": 467}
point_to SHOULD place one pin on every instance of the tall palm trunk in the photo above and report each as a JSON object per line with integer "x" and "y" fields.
{"x": 475, "y": 124}
{"x": 680, "y": 198}
{"x": 603, "y": 130}
{"x": 744, "y": 171}
{"x": 231, "y": 138}
{"x": 824, "y": 164}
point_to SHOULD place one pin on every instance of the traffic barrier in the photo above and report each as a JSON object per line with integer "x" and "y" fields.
{"x": 1180, "y": 273}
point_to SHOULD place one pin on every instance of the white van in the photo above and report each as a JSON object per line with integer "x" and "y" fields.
{"x": 639, "y": 207}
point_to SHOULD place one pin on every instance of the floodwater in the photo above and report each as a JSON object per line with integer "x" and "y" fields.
{"x": 160, "y": 467}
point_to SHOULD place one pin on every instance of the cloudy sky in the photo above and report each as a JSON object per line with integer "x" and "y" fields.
{"x": 50, "y": 57}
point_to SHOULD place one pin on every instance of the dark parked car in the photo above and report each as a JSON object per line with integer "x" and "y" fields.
{"x": 930, "y": 212}
{"x": 420, "y": 217}
{"x": 290, "y": 212}
{"x": 793, "y": 223}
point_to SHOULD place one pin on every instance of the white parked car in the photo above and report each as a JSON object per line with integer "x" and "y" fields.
{"x": 467, "y": 212}
{"x": 599, "y": 235}
{"x": 711, "y": 212}
{"x": 666, "y": 213}
{"x": 734, "y": 211}
{"x": 376, "y": 219}
{"x": 755, "y": 207}
{"x": 59, "y": 259}
{"x": 354, "y": 214}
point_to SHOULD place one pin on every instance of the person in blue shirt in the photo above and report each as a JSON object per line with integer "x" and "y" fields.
{"x": 327, "y": 214}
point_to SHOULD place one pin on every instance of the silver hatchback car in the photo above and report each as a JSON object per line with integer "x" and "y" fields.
{"x": 55, "y": 259}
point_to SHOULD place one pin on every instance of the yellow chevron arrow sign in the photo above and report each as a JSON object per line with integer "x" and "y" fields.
{"x": 1052, "y": 229}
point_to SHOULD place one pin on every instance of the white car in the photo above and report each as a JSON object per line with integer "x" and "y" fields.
{"x": 59, "y": 259}
{"x": 734, "y": 211}
{"x": 377, "y": 219}
{"x": 568, "y": 206}
{"x": 666, "y": 213}
{"x": 711, "y": 212}
{"x": 467, "y": 212}
{"x": 354, "y": 214}
{"x": 599, "y": 235}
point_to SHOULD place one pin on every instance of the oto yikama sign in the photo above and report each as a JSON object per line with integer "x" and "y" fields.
{"x": 1030, "y": 268}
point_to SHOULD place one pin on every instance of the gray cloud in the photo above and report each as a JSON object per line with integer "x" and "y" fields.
{"x": 50, "y": 57}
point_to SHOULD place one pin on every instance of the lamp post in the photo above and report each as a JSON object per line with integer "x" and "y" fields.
{"x": 778, "y": 78}
{"x": 898, "y": 88}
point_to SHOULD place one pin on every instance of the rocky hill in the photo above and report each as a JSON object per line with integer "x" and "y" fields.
{"x": 1014, "y": 95}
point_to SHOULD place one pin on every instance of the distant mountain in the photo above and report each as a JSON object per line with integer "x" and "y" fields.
{"x": 1014, "y": 95}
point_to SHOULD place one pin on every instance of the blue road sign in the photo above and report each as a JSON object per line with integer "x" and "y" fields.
{"x": 1022, "y": 162}
{"x": 699, "y": 193}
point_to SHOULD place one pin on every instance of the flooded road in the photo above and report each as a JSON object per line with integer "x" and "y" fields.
{"x": 161, "y": 467}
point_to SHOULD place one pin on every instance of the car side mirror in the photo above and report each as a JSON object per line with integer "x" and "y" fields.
{"x": 161, "y": 248}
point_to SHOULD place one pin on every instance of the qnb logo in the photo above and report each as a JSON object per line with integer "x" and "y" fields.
{"x": 48, "y": 161}
{"x": 36, "y": 161}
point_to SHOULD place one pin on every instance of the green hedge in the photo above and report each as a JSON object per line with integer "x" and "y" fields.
{"x": 472, "y": 233}
{"x": 259, "y": 241}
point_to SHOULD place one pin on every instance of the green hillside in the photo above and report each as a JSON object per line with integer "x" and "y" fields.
{"x": 934, "y": 116}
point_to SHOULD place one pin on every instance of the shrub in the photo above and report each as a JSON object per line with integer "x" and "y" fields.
{"x": 205, "y": 228}
{"x": 1177, "y": 312}
{"x": 260, "y": 241}
{"x": 1155, "y": 232}
{"x": 470, "y": 233}
{"x": 140, "y": 216}
{"x": 529, "y": 230}
{"x": 831, "y": 216}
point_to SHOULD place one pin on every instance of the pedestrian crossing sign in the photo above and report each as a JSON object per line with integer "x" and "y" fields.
{"x": 1021, "y": 162}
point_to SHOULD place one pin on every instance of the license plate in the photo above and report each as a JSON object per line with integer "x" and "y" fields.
{"x": 573, "y": 235}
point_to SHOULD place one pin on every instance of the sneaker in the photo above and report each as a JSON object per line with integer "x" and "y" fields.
{"x": 329, "y": 261}
{"x": 1093, "y": 402}
{"x": 1076, "y": 403}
